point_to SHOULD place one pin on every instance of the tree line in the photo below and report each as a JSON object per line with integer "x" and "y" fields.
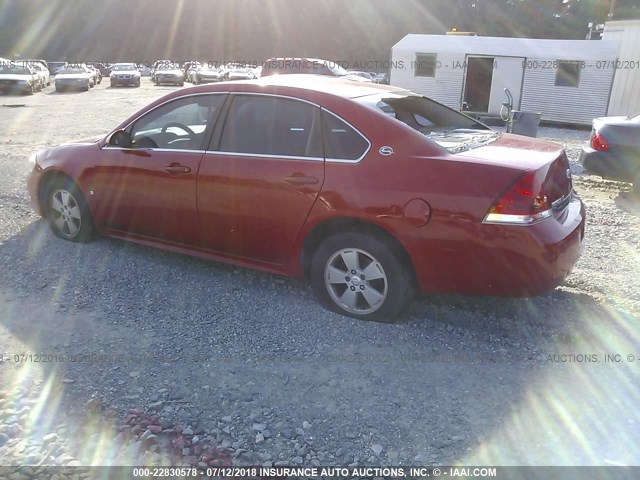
{"x": 253, "y": 30}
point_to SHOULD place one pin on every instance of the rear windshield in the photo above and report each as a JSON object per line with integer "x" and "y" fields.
{"x": 14, "y": 70}
{"x": 450, "y": 129}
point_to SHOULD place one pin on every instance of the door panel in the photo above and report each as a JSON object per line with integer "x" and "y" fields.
{"x": 254, "y": 207}
{"x": 149, "y": 188}
{"x": 259, "y": 180}
{"x": 135, "y": 191}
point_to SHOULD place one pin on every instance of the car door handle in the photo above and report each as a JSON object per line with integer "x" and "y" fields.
{"x": 175, "y": 168}
{"x": 301, "y": 180}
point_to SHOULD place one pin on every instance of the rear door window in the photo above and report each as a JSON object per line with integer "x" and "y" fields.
{"x": 271, "y": 125}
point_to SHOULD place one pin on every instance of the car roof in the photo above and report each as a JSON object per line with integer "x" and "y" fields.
{"x": 326, "y": 84}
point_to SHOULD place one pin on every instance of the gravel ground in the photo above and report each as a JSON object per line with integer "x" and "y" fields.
{"x": 260, "y": 373}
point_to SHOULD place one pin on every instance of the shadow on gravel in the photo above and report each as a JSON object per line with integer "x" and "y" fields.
{"x": 628, "y": 202}
{"x": 459, "y": 378}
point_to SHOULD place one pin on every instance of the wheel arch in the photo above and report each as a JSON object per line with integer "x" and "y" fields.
{"x": 332, "y": 226}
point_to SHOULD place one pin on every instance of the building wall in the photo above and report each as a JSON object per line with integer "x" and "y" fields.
{"x": 625, "y": 94}
{"x": 559, "y": 104}
{"x": 445, "y": 87}
{"x": 579, "y": 104}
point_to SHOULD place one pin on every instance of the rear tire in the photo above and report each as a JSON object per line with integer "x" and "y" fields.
{"x": 67, "y": 212}
{"x": 361, "y": 276}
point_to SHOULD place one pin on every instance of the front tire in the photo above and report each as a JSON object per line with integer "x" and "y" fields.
{"x": 67, "y": 212}
{"x": 361, "y": 276}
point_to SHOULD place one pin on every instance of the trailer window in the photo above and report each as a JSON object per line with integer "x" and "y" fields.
{"x": 425, "y": 65}
{"x": 568, "y": 74}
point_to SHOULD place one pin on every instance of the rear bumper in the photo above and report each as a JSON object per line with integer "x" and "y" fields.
{"x": 607, "y": 164}
{"x": 505, "y": 260}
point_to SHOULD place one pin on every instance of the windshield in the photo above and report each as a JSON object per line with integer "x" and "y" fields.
{"x": 124, "y": 66}
{"x": 72, "y": 70}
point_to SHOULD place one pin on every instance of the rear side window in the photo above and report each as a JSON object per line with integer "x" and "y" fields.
{"x": 269, "y": 125}
{"x": 341, "y": 141}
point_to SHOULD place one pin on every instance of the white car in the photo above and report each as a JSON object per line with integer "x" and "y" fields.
{"x": 43, "y": 73}
{"x": 168, "y": 74}
{"x": 238, "y": 74}
{"x": 73, "y": 77}
{"x": 362, "y": 76}
{"x": 16, "y": 77}
{"x": 124, "y": 74}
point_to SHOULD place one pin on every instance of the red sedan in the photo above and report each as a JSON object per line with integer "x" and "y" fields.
{"x": 368, "y": 191}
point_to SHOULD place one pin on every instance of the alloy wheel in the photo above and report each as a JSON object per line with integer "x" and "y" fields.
{"x": 356, "y": 281}
{"x": 66, "y": 214}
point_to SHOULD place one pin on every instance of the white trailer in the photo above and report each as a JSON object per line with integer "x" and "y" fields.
{"x": 567, "y": 81}
{"x": 625, "y": 94}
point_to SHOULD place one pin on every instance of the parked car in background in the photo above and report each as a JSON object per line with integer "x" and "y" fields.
{"x": 144, "y": 70}
{"x": 19, "y": 77}
{"x": 168, "y": 74}
{"x": 43, "y": 73}
{"x": 187, "y": 67}
{"x": 369, "y": 192}
{"x": 313, "y": 66}
{"x": 124, "y": 74}
{"x": 103, "y": 68}
{"x": 97, "y": 76}
{"x": 42, "y": 68}
{"x": 55, "y": 66}
{"x": 363, "y": 76}
{"x": 613, "y": 150}
{"x": 382, "y": 78}
{"x": 238, "y": 73}
{"x": 73, "y": 77}
{"x": 205, "y": 74}
{"x": 37, "y": 60}
{"x": 156, "y": 65}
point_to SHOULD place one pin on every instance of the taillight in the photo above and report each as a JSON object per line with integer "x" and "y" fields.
{"x": 598, "y": 142}
{"x": 523, "y": 203}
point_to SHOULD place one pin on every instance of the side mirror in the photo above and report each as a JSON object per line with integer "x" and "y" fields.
{"x": 120, "y": 138}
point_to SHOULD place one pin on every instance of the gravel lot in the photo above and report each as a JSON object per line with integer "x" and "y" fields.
{"x": 252, "y": 365}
